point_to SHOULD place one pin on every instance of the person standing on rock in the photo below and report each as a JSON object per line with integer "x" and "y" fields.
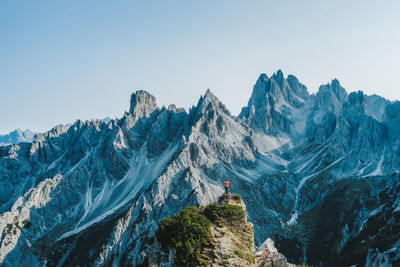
{"x": 226, "y": 183}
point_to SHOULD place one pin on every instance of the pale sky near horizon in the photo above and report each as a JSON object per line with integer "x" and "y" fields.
{"x": 67, "y": 60}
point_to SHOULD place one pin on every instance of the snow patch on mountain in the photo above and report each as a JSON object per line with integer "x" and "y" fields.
{"x": 141, "y": 174}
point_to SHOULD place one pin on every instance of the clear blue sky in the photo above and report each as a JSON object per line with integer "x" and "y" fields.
{"x": 64, "y": 60}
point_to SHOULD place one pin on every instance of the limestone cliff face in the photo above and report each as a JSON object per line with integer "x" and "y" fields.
{"x": 229, "y": 246}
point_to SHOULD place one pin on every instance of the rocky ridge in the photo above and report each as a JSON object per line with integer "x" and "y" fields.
{"x": 17, "y": 136}
{"x": 317, "y": 169}
{"x": 228, "y": 246}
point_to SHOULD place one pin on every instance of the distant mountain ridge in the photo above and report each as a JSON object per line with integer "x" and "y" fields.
{"x": 17, "y": 136}
{"x": 313, "y": 169}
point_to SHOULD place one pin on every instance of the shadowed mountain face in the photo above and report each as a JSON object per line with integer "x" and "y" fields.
{"x": 319, "y": 175}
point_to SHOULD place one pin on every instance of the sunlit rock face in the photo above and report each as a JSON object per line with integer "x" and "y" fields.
{"x": 319, "y": 174}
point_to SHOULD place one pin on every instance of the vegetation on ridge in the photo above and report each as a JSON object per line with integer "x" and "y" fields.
{"x": 186, "y": 232}
{"x": 225, "y": 214}
{"x": 190, "y": 231}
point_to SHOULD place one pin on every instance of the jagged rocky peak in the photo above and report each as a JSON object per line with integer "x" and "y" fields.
{"x": 331, "y": 97}
{"x": 276, "y": 91}
{"x": 358, "y": 100}
{"x": 208, "y": 109}
{"x": 175, "y": 109}
{"x": 271, "y": 100}
{"x": 209, "y": 95}
{"x": 299, "y": 88}
{"x": 279, "y": 79}
{"x": 211, "y": 127}
{"x": 355, "y": 106}
{"x": 263, "y": 78}
{"x": 56, "y": 131}
{"x": 142, "y": 104}
{"x": 268, "y": 88}
{"x": 339, "y": 91}
{"x": 376, "y": 106}
{"x": 208, "y": 101}
{"x": 292, "y": 90}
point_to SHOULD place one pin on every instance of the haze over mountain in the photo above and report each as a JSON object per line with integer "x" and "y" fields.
{"x": 319, "y": 174}
{"x": 17, "y": 136}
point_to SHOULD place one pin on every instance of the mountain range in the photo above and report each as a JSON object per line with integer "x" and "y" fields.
{"x": 319, "y": 174}
{"x": 17, "y": 136}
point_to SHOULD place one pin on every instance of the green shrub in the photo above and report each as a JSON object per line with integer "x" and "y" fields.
{"x": 187, "y": 233}
{"x": 236, "y": 198}
{"x": 225, "y": 214}
{"x": 9, "y": 228}
{"x": 26, "y": 223}
{"x": 166, "y": 231}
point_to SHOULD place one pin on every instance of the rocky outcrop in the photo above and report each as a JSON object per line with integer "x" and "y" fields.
{"x": 268, "y": 256}
{"x": 142, "y": 104}
{"x": 269, "y": 107}
{"x": 229, "y": 245}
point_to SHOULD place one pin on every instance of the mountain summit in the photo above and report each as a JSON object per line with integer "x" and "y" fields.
{"x": 142, "y": 104}
{"x": 269, "y": 106}
{"x": 319, "y": 174}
